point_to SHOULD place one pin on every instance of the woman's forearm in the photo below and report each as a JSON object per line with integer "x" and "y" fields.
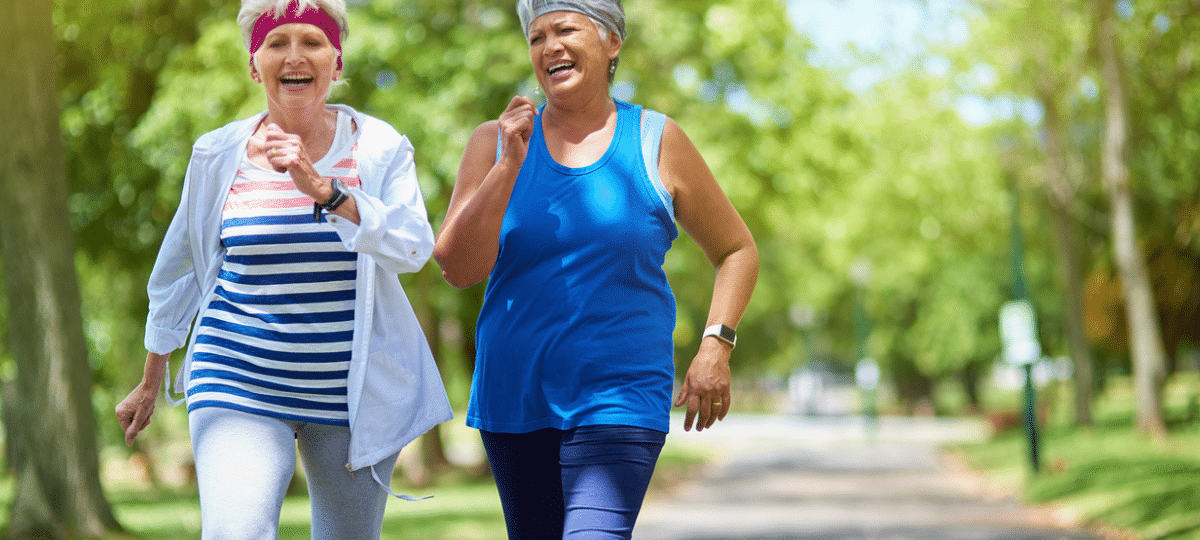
{"x": 156, "y": 366}
{"x": 736, "y": 276}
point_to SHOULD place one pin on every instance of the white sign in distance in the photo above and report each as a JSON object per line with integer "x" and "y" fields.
{"x": 1018, "y": 331}
{"x": 866, "y": 374}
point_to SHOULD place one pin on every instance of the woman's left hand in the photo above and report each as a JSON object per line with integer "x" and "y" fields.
{"x": 285, "y": 152}
{"x": 705, "y": 388}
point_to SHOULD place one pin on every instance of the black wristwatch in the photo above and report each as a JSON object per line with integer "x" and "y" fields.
{"x": 339, "y": 196}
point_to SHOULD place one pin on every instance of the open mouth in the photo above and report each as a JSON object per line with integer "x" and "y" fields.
{"x": 296, "y": 80}
{"x": 559, "y": 67}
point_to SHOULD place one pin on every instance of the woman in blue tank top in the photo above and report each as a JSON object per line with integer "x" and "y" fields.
{"x": 568, "y": 211}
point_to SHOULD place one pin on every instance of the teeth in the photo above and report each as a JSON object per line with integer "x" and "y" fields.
{"x": 295, "y": 79}
{"x": 559, "y": 67}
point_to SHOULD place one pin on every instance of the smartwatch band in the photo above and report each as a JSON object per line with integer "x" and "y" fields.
{"x": 723, "y": 333}
{"x": 339, "y": 196}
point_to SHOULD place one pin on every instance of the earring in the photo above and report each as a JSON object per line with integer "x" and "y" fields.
{"x": 612, "y": 66}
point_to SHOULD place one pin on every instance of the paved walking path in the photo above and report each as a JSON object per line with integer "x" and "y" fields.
{"x": 794, "y": 478}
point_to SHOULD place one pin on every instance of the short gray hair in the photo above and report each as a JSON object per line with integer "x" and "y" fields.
{"x": 253, "y": 9}
{"x": 607, "y": 14}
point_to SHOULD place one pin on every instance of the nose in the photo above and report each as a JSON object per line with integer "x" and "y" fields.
{"x": 294, "y": 55}
{"x": 552, "y": 45}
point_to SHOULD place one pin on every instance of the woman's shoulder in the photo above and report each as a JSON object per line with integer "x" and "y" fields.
{"x": 485, "y": 135}
{"x": 370, "y": 125}
{"x": 226, "y": 136}
{"x": 378, "y": 140}
{"x": 487, "y": 130}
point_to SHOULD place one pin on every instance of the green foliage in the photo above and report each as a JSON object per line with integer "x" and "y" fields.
{"x": 826, "y": 178}
{"x": 111, "y": 55}
{"x": 1060, "y": 69}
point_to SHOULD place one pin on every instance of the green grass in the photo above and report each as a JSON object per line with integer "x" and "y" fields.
{"x": 465, "y": 511}
{"x": 1109, "y": 474}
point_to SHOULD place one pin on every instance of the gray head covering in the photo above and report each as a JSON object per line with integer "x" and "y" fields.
{"x": 606, "y": 12}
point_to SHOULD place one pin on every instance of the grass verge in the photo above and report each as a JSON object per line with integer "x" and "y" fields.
{"x": 1108, "y": 476}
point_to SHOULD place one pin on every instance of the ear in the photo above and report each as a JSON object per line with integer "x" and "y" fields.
{"x": 614, "y": 45}
{"x": 254, "y": 74}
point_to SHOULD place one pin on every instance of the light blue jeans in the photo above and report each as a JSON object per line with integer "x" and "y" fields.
{"x": 245, "y": 461}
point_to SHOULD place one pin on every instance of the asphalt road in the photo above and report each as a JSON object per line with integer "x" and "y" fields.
{"x": 798, "y": 478}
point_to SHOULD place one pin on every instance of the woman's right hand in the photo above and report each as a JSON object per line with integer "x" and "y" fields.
{"x": 135, "y": 410}
{"x": 516, "y": 128}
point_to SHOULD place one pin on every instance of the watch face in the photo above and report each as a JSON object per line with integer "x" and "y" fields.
{"x": 728, "y": 334}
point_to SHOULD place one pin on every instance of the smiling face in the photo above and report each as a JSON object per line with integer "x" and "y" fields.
{"x": 296, "y": 65}
{"x": 569, "y": 55}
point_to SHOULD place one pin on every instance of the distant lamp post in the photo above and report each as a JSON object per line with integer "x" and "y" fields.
{"x": 1018, "y": 331}
{"x": 802, "y": 389}
{"x": 866, "y": 371}
{"x": 860, "y": 274}
{"x": 866, "y": 374}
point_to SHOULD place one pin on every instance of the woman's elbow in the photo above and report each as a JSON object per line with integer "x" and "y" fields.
{"x": 458, "y": 282}
{"x": 752, "y": 251}
{"x": 454, "y": 274}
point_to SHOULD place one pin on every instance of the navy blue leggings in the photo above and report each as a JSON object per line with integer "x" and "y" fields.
{"x": 582, "y": 483}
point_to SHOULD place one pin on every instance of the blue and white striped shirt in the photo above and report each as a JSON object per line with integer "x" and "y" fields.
{"x": 276, "y": 338}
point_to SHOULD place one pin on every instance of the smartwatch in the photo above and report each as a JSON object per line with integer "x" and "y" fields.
{"x": 723, "y": 333}
{"x": 339, "y": 196}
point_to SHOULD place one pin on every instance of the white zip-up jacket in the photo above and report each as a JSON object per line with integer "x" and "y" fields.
{"x": 394, "y": 390}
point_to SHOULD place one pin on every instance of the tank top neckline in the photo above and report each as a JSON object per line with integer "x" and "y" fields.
{"x": 618, "y": 131}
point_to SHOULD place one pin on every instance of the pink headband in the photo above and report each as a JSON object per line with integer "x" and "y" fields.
{"x": 314, "y": 16}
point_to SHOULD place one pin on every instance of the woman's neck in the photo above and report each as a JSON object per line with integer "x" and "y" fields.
{"x": 573, "y": 123}
{"x": 577, "y": 137}
{"x": 316, "y": 128}
{"x": 308, "y": 123}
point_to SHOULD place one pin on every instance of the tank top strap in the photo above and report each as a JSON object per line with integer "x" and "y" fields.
{"x": 653, "y": 123}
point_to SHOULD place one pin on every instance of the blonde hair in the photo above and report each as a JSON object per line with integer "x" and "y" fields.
{"x": 253, "y": 9}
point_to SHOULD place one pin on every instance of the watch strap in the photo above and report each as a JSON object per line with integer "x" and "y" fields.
{"x": 721, "y": 332}
{"x": 340, "y": 194}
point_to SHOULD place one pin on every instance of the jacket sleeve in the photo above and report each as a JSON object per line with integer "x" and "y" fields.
{"x": 174, "y": 289}
{"x": 393, "y": 228}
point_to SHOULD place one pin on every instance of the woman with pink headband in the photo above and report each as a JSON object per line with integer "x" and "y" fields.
{"x": 281, "y": 264}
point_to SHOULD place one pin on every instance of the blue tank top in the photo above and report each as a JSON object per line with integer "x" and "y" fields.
{"x": 577, "y": 316}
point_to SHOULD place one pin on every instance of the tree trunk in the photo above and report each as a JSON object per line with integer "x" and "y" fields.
{"x": 1061, "y": 195}
{"x": 1065, "y": 234}
{"x": 48, "y": 410}
{"x": 1145, "y": 339}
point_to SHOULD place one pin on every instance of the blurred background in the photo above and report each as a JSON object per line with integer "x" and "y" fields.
{"x": 907, "y": 168}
